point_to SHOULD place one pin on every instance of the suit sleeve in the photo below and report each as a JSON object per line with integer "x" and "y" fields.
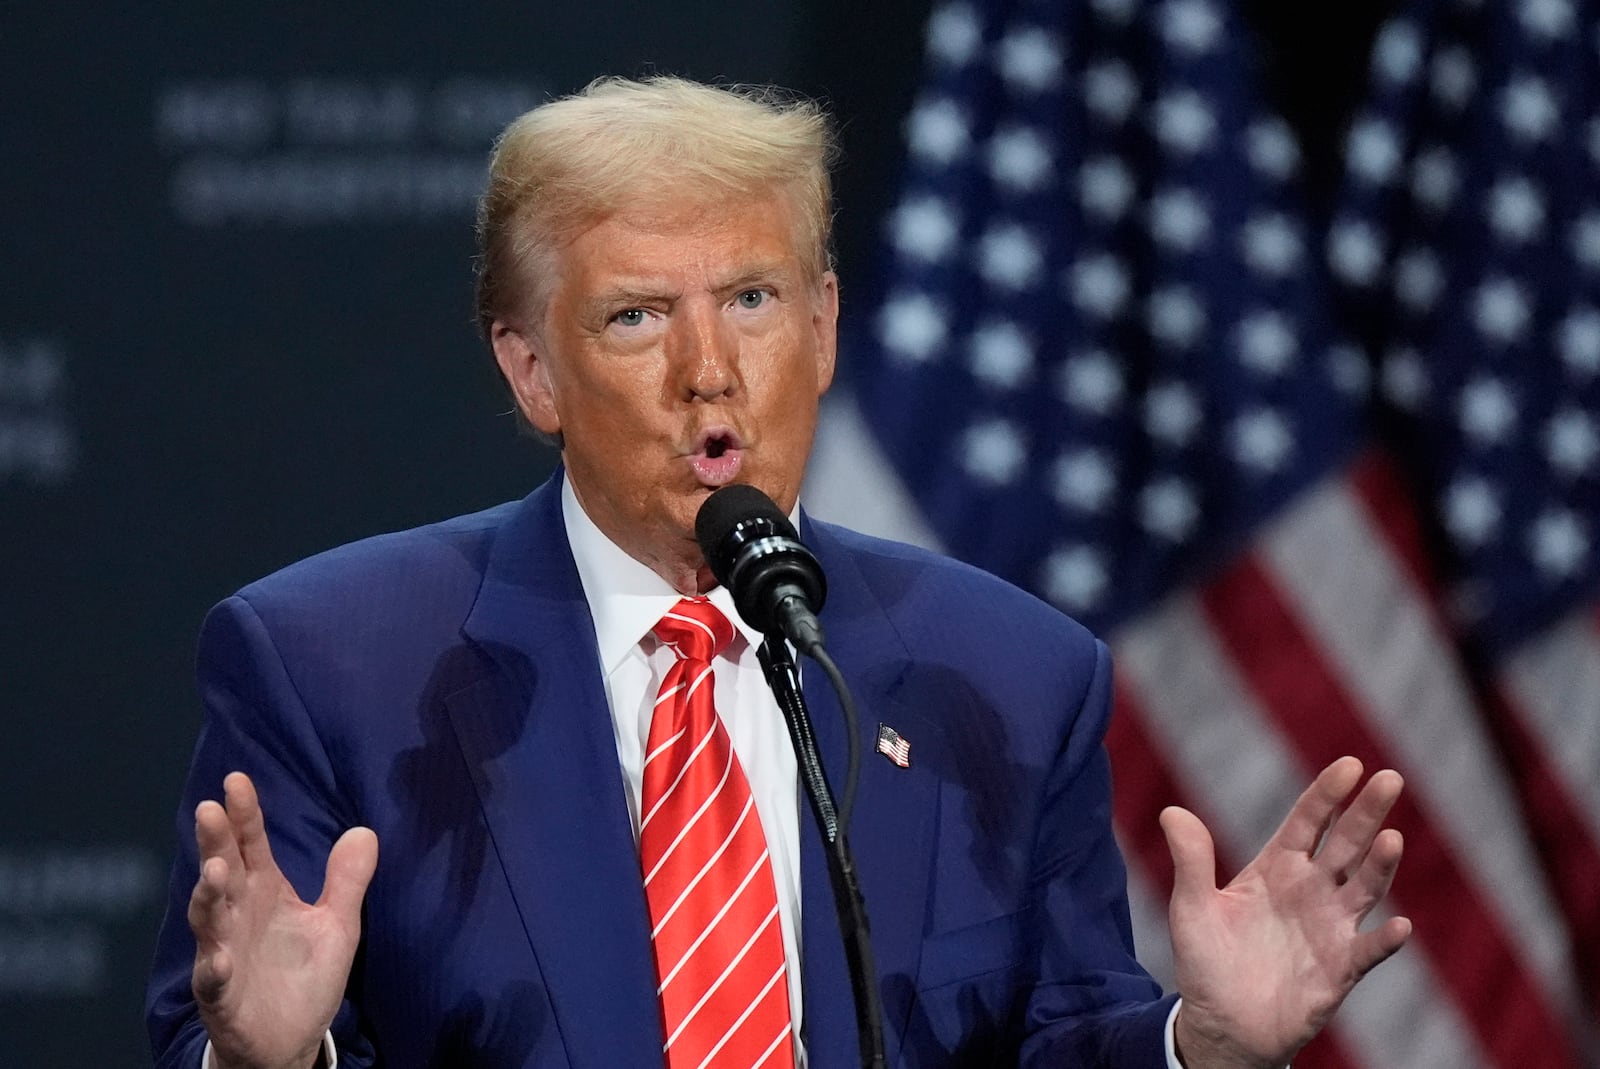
{"x": 255, "y": 722}
{"x": 1092, "y": 1004}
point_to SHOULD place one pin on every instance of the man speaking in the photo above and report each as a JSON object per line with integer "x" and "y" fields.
{"x": 510, "y": 790}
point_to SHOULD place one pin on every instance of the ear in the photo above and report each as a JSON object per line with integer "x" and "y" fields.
{"x": 527, "y": 373}
{"x": 825, "y": 324}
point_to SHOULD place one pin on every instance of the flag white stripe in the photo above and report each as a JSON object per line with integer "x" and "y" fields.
{"x": 1380, "y": 638}
{"x": 1556, "y": 681}
{"x": 1229, "y": 757}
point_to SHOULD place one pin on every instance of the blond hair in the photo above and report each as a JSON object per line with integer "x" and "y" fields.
{"x": 569, "y": 163}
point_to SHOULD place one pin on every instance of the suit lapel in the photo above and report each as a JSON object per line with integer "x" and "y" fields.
{"x": 537, "y": 737}
{"x": 891, "y": 833}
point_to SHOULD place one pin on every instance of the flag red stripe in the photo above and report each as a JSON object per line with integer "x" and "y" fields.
{"x": 1137, "y": 802}
{"x": 1555, "y": 824}
{"x": 1557, "y": 830}
{"x": 1281, "y": 663}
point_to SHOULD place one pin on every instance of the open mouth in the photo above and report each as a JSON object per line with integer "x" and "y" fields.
{"x": 717, "y": 457}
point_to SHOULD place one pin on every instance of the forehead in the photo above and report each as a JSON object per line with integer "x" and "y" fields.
{"x": 683, "y": 236}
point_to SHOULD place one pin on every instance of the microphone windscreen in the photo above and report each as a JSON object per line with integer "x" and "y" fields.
{"x": 737, "y": 505}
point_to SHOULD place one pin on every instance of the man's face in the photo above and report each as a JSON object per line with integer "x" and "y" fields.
{"x": 682, "y": 348}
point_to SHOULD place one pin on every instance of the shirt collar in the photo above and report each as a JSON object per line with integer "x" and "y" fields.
{"x": 626, "y": 598}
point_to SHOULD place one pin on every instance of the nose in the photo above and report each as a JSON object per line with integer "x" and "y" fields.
{"x": 707, "y": 354}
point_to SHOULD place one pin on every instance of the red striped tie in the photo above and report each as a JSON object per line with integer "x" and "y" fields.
{"x": 713, "y": 906}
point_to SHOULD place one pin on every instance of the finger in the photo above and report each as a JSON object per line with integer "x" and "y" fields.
{"x": 1351, "y": 837}
{"x": 1377, "y": 946}
{"x": 212, "y": 971}
{"x": 1372, "y": 880}
{"x": 1194, "y": 856}
{"x": 249, "y": 826}
{"x": 207, "y": 913}
{"x": 1302, "y": 829}
{"x": 213, "y": 834}
{"x": 351, "y": 863}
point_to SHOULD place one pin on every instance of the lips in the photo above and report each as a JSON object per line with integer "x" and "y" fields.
{"x": 717, "y": 455}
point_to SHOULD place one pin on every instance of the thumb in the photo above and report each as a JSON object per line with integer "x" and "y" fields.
{"x": 351, "y": 864}
{"x": 1194, "y": 857}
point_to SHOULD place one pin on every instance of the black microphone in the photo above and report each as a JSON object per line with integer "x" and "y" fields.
{"x": 755, "y": 552}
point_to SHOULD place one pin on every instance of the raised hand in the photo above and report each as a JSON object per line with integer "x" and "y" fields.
{"x": 269, "y": 969}
{"x": 1263, "y": 963}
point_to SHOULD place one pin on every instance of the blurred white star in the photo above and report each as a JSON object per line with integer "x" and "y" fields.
{"x": 1168, "y": 509}
{"x": 1083, "y": 480}
{"x": 1501, "y": 310}
{"x": 1397, "y": 53}
{"x": 1110, "y": 91}
{"x": 1435, "y": 179}
{"x": 925, "y": 228}
{"x": 1184, "y": 122}
{"x": 1019, "y": 159}
{"x": 1516, "y": 210}
{"x": 1009, "y": 257}
{"x": 993, "y": 452}
{"x": 1190, "y": 25}
{"x": 1404, "y": 379}
{"x": 1418, "y": 280}
{"x": 1075, "y": 578}
{"x": 1179, "y": 219}
{"x": 1549, "y": 19}
{"x": 1029, "y": 60}
{"x": 1455, "y": 78}
{"x": 1271, "y": 244}
{"x": 1373, "y": 152}
{"x": 1349, "y": 371}
{"x": 1105, "y": 187}
{"x": 955, "y": 34}
{"x": 912, "y": 328}
{"x": 1099, "y": 284}
{"x": 1487, "y": 411}
{"x": 1572, "y": 442}
{"x": 1355, "y": 251}
{"x": 1558, "y": 542}
{"x": 1266, "y": 342}
{"x": 1578, "y": 339}
{"x": 1585, "y": 239}
{"x": 1118, "y": 11}
{"x": 1271, "y": 148}
{"x": 1002, "y": 356}
{"x": 1092, "y": 382}
{"x": 1172, "y": 413}
{"x": 1529, "y": 109}
{"x": 1176, "y": 316}
{"x": 937, "y": 132}
{"x": 1260, "y": 440}
{"x": 1472, "y": 511}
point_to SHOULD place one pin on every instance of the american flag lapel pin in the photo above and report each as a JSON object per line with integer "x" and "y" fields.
{"x": 893, "y": 746}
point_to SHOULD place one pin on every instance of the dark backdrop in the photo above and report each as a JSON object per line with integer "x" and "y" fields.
{"x": 235, "y": 329}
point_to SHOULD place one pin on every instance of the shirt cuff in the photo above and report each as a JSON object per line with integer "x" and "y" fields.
{"x": 1171, "y": 1033}
{"x": 330, "y": 1054}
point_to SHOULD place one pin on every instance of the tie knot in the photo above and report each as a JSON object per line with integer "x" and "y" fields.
{"x": 696, "y": 629}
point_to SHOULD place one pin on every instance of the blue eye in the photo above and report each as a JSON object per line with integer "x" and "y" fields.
{"x": 632, "y": 317}
{"x": 752, "y": 298}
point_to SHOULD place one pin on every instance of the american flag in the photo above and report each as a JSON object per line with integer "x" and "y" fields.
{"x": 894, "y": 746}
{"x": 1323, "y": 492}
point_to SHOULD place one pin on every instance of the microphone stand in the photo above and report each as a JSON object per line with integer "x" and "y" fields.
{"x": 833, "y": 821}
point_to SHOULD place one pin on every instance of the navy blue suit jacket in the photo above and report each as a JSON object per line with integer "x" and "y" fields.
{"x": 442, "y": 687}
